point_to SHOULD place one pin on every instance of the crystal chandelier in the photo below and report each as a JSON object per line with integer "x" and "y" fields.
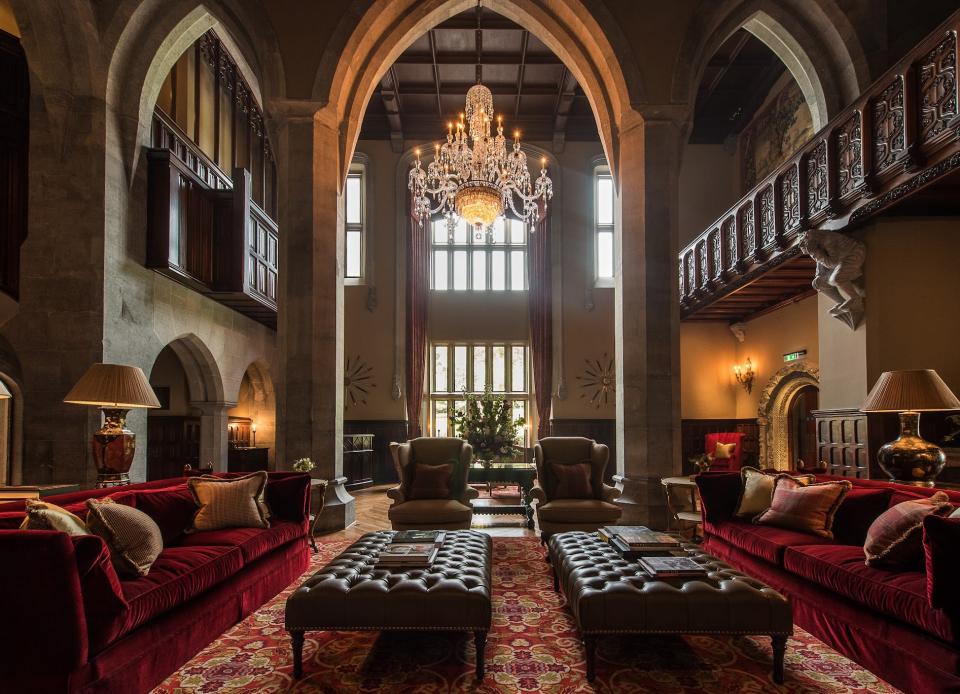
{"x": 474, "y": 176}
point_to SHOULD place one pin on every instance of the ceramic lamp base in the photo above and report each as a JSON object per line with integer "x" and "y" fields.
{"x": 113, "y": 449}
{"x": 910, "y": 459}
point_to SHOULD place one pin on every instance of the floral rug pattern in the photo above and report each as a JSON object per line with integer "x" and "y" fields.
{"x": 532, "y": 647}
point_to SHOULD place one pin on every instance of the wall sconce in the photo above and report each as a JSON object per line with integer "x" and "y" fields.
{"x": 253, "y": 431}
{"x": 745, "y": 374}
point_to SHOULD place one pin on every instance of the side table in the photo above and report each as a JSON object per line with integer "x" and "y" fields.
{"x": 685, "y": 485}
{"x": 318, "y": 488}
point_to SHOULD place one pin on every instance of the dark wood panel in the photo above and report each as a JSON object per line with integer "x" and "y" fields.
{"x": 694, "y": 431}
{"x": 384, "y": 431}
{"x": 247, "y": 459}
{"x": 843, "y": 442}
{"x": 172, "y": 442}
{"x": 600, "y": 430}
{"x": 14, "y": 151}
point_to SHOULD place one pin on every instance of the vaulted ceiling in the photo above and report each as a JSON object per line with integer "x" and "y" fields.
{"x": 425, "y": 88}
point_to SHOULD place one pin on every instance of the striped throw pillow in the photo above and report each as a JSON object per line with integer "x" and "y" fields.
{"x": 133, "y": 537}
{"x": 229, "y": 503}
{"x": 756, "y": 491}
{"x": 895, "y": 538}
{"x": 809, "y": 508}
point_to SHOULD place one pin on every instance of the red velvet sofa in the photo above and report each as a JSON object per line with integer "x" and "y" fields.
{"x": 903, "y": 625}
{"x": 72, "y": 625}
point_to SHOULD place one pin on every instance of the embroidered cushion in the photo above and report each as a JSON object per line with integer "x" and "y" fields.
{"x": 809, "y": 508}
{"x": 757, "y": 491}
{"x": 229, "y": 503}
{"x": 430, "y": 481}
{"x": 573, "y": 480}
{"x": 41, "y": 515}
{"x": 724, "y": 451}
{"x": 133, "y": 537}
{"x": 896, "y": 537}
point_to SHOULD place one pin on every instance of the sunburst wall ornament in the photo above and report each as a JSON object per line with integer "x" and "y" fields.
{"x": 598, "y": 380}
{"x": 357, "y": 382}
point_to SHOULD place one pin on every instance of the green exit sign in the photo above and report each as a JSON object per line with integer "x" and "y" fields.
{"x": 793, "y": 356}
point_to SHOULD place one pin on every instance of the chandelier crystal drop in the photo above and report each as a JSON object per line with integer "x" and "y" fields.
{"x": 474, "y": 175}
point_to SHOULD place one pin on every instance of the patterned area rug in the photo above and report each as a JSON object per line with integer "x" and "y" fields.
{"x": 533, "y": 647}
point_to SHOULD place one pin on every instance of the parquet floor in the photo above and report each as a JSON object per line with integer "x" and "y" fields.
{"x": 372, "y": 505}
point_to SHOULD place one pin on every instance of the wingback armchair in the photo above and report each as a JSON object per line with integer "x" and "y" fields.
{"x": 569, "y": 490}
{"x": 433, "y": 492}
{"x": 735, "y": 461}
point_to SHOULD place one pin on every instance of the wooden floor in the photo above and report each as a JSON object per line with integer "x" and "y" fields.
{"x": 372, "y": 505}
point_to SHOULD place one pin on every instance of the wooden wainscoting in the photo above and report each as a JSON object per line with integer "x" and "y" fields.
{"x": 694, "y": 431}
{"x": 384, "y": 431}
{"x": 843, "y": 442}
{"x": 600, "y": 430}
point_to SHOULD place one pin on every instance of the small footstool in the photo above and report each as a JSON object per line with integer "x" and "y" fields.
{"x": 610, "y": 595}
{"x": 352, "y": 594}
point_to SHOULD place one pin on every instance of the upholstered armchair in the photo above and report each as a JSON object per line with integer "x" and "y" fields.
{"x": 433, "y": 492}
{"x": 718, "y": 464}
{"x": 569, "y": 490}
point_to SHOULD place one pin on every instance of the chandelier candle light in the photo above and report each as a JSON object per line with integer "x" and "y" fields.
{"x": 475, "y": 177}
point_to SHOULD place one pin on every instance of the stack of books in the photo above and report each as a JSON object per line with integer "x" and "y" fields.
{"x": 633, "y": 541}
{"x": 672, "y": 567}
{"x": 412, "y": 549}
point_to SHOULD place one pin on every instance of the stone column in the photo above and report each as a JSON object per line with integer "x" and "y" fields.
{"x": 214, "y": 437}
{"x": 647, "y": 317}
{"x": 310, "y": 328}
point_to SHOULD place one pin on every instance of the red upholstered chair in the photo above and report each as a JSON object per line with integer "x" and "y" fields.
{"x": 731, "y": 464}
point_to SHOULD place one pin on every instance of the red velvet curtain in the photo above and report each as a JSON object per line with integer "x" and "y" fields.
{"x": 541, "y": 318}
{"x": 418, "y": 278}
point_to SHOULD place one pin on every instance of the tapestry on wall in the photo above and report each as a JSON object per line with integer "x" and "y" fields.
{"x": 778, "y": 130}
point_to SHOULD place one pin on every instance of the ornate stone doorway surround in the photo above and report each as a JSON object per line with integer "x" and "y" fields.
{"x": 774, "y": 409}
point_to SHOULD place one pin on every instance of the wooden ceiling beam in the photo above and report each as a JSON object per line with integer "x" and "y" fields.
{"x": 523, "y": 63}
{"x": 465, "y": 58}
{"x": 742, "y": 38}
{"x": 436, "y": 71}
{"x": 460, "y": 88}
{"x": 391, "y": 104}
{"x": 561, "y": 112}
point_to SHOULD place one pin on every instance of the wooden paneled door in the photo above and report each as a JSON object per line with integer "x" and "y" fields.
{"x": 803, "y": 427}
{"x": 172, "y": 442}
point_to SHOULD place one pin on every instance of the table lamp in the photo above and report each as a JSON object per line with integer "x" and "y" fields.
{"x": 115, "y": 388}
{"x": 909, "y": 458}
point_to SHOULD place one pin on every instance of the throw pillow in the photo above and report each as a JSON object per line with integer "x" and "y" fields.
{"x": 41, "y": 515}
{"x": 430, "y": 481}
{"x": 724, "y": 451}
{"x": 757, "y": 491}
{"x": 573, "y": 480}
{"x": 896, "y": 537}
{"x": 133, "y": 537}
{"x": 229, "y": 502}
{"x": 809, "y": 508}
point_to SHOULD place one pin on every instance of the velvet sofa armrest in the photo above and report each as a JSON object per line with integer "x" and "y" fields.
{"x": 396, "y": 493}
{"x": 941, "y": 538}
{"x": 41, "y": 585}
{"x": 288, "y": 496}
{"x": 719, "y": 494}
{"x": 610, "y": 494}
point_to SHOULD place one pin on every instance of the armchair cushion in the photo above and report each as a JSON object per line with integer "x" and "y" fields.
{"x": 724, "y": 451}
{"x": 579, "y": 511}
{"x": 570, "y": 450}
{"x": 431, "y": 481}
{"x": 573, "y": 480}
{"x": 430, "y": 511}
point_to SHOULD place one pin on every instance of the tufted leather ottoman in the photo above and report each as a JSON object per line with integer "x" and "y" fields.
{"x": 610, "y": 595}
{"x": 352, "y": 594}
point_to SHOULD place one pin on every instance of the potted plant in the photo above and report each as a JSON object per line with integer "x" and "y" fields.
{"x": 303, "y": 465}
{"x": 486, "y": 422}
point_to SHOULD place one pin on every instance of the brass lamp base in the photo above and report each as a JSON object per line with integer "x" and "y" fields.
{"x": 910, "y": 459}
{"x": 113, "y": 448}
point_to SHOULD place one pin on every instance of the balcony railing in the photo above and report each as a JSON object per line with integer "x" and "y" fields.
{"x": 205, "y": 230}
{"x": 900, "y": 136}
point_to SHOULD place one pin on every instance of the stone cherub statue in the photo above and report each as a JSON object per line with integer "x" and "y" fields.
{"x": 839, "y": 271}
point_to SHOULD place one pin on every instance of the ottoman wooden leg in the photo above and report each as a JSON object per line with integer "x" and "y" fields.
{"x": 297, "y": 637}
{"x": 779, "y": 650}
{"x": 480, "y": 641}
{"x": 590, "y": 646}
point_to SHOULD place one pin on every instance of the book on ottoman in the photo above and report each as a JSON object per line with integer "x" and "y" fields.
{"x": 411, "y": 554}
{"x": 672, "y": 567}
{"x": 638, "y": 537}
{"x": 419, "y": 536}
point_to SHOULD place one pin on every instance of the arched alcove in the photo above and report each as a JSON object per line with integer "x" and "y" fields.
{"x": 253, "y": 420}
{"x": 774, "y": 408}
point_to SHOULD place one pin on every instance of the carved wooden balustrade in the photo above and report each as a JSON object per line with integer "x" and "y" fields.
{"x": 901, "y": 135}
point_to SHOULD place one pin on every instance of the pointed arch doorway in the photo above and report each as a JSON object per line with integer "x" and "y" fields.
{"x": 785, "y": 400}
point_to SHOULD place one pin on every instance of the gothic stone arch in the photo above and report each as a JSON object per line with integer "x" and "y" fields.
{"x": 774, "y": 406}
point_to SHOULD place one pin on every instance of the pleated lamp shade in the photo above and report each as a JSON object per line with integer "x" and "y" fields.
{"x": 115, "y": 386}
{"x": 4, "y": 391}
{"x": 915, "y": 390}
